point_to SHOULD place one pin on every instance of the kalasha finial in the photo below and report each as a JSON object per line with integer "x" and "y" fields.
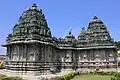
{"x": 34, "y": 5}
{"x": 70, "y": 31}
{"x": 95, "y": 17}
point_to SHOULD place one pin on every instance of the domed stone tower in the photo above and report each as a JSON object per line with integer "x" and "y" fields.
{"x": 70, "y": 37}
{"x": 97, "y": 33}
{"x": 31, "y": 38}
{"x": 31, "y": 25}
{"x": 82, "y": 38}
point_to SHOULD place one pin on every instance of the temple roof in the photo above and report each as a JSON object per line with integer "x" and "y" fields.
{"x": 95, "y": 20}
{"x": 96, "y": 24}
{"x": 70, "y": 36}
{"x": 82, "y": 32}
{"x": 31, "y": 25}
{"x": 70, "y": 33}
{"x": 97, "y": 32}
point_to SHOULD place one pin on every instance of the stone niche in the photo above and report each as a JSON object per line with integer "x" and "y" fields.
{"x": 32, "y": 56}
{"x": 15, "y": 57}
{"x": 68, "y": 56}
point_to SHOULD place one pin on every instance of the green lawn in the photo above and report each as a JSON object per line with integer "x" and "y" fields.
{"x": 92, "y": 77}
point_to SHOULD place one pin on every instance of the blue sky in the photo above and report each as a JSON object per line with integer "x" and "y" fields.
{"x": 62, "y": 14}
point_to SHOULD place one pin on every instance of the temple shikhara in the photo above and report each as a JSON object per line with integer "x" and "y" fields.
{"x": 32, "y": 47}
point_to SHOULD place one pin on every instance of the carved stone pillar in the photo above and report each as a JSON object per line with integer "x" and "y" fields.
{"x": 49, "y": 53}
{"x": 42, "y": 52}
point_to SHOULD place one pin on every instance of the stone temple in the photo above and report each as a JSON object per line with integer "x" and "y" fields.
{"x": 31, "y": 46}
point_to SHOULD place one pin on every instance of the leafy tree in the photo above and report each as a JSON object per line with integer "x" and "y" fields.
{"x": 116, "y": 76}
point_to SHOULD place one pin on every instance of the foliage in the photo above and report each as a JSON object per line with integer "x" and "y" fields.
{"x": 11, "y": 78}
{"x": 102, "y": 73}
{"x": 92, "y": 73}
{"x": 2, "y": 76}
{"x": 116, "y": 76}
{"x": 67, "y": 76}
{"x": 117, "y": 43}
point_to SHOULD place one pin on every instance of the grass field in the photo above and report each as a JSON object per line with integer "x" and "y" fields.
{"x": 92, "y": 77}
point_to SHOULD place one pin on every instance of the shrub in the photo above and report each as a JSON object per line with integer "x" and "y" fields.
{"x": 11, "y": 78}
{"x": 67, "y": 76}
{"x": 59, "y": 78}
{"x": 102, "y": 73}
{"x": 2, "y": 76}
{"x": 116, "y": 76}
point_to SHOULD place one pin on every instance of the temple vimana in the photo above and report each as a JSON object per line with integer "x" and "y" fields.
{"x": 31, "y": 46}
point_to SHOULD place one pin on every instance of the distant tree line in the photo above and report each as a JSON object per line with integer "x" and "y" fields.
{"x": 117, "y": 43}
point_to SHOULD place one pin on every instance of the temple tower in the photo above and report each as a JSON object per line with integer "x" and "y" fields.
{"x": 31, "y": 39}
{"x": 97, "y": 33}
